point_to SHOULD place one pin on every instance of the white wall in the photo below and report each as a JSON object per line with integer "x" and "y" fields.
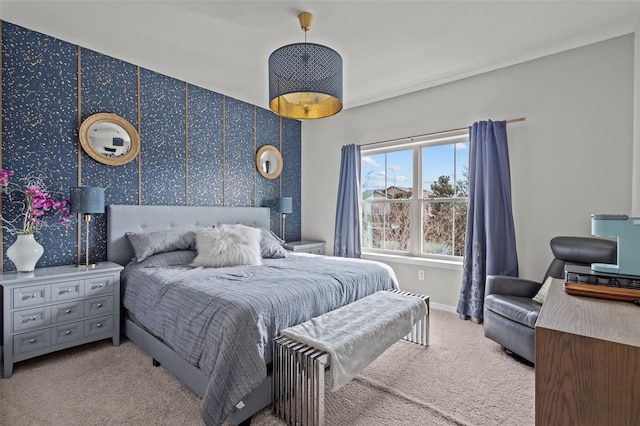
{"x": 570, "y": 158}
{"x": 636, "y": 126}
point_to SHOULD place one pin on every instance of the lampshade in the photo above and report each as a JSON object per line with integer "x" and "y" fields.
{"x": 284, "y": 205}
{"x": 305, "y": 79}
{"x": 87, "y": 199}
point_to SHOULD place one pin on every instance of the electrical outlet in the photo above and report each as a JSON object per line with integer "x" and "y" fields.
{"x": 421, "y": 274}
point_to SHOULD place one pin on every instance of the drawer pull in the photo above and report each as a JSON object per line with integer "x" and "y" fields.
{"x": 98, "y": 325}
{"x": 68, "y": 290}
{"x": 68, "y": 332}
{"x": 34, "y": 295}
{"x": 98, "y": 286}
{"x": 99, "y": 305}
{"x": 33, "y": 340}
{"x": 67, "y": 311}
{"x": 33, "y": 318}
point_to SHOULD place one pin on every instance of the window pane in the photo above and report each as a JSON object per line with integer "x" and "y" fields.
{"x": 388, "y": 175}
{"x": 372, "y": 225}
{"x": 386, "y": 226}
{"x": 462, "y": 169}
{"x": 437, "y": 228}
{"x": 398, "y": 230}
{"x": 438, "y": 171}
{"x": 444, "y": 226}
{"x": 374, "y": 182}
{"x": 460, "y": 227}
{"x": 399, "y": 174}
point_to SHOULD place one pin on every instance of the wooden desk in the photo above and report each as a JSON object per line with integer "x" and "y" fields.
{"x": 587, "y": 361}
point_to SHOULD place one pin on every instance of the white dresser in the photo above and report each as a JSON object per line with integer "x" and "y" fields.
{"x": 57, "y": 308}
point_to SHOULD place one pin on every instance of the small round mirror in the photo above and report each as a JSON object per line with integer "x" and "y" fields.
{"x": 109, "y": 139}
{"x": 269, "y": 161}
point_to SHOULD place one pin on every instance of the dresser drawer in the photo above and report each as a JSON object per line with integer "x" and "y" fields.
{"x": 29, "y": 296}
{"x": 98, "y": 325}
{"x": 98, "y": 285}
{"x": 67, "y": 332}
{"x": 98, "y": 305}
{"x": 67, "y": 311}
{"x": 67, "y": 290}
{"x": 31, "y": 318}
{"x": 33, "y": 340}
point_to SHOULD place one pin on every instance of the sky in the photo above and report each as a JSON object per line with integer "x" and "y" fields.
{"x": 437, "y": 160}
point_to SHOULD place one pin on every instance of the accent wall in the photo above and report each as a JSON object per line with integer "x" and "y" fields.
{"x": 197, "y": 146}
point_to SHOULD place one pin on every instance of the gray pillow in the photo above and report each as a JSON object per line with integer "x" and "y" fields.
{"x": 149, "y": 243}
{"x": 271, "y": 245}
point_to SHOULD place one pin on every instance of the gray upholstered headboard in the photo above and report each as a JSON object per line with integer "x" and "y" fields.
{"x": 136, "y": 219}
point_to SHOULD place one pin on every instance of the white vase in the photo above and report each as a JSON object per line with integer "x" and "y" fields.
{"x": 25, "y": 253}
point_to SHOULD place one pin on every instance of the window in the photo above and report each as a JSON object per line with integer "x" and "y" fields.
{"x": 415, "y": 196}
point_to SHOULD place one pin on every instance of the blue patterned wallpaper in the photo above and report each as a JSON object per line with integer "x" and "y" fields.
{"x": 197, "y": 146}
{"x": 39, "y": 122}
{"x": 163, "y": 139}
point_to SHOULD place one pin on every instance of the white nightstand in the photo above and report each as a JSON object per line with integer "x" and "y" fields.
{"x": 58, "y": 307}
{"x": 315, "y": 247}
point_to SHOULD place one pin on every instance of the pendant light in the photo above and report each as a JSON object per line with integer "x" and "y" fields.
{"x": 305, "y": 79}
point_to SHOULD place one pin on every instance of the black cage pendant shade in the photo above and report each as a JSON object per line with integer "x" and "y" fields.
{"x": 305, "y": 79}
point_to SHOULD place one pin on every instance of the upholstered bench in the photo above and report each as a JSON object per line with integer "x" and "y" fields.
{"x": 346, "y": 340}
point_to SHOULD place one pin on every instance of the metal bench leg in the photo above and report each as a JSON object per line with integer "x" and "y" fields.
{"x": 420, "y": 332}
{"x": 298, "y": 382}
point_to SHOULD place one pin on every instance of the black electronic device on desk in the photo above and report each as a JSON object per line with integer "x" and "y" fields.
{"x": 584, "y": 281}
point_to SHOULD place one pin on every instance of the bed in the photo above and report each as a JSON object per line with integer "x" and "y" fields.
{"x": 213, "y": 327}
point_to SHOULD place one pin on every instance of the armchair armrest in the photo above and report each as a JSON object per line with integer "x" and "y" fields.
{"x": 513, "y": 286}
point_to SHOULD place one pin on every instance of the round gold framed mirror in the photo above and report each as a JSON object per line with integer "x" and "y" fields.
{"x": 269, "y": 161}
{"x": 109, "y": 139}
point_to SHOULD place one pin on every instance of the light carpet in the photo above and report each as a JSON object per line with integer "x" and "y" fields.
{"x": 462, "y": 378}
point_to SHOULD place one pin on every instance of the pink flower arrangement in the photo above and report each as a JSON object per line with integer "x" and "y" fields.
{"x": 37, "y": 204}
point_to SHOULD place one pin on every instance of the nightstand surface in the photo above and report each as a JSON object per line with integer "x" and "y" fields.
{"x": 306, "y": 246}
{"x": 56, "y": 308}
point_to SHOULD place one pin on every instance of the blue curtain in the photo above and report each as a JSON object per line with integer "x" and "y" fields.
{"x": 490, "y": 244}
{"x": 346, "y": 240}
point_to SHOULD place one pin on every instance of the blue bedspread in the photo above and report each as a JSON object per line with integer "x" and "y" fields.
{"x": 223, "y": 320}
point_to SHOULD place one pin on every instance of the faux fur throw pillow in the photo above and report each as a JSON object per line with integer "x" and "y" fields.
{"x": 228, "y": 245}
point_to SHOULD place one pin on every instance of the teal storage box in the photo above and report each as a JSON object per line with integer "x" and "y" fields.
{"x": 627, "y": 230}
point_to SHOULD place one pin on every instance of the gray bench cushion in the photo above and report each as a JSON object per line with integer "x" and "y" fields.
{"x": 522, "y": 310}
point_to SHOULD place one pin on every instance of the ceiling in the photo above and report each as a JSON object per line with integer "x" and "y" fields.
{"x": 389, "y": 48}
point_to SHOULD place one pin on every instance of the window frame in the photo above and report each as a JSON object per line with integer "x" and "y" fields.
{"x": 416, "y": 239}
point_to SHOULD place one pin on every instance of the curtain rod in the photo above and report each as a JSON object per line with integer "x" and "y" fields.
{"x": 411, "y": 138}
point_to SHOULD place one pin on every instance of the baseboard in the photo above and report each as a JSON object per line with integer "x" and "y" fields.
{"x": 441, "y": 307}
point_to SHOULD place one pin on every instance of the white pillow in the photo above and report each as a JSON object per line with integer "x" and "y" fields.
{"x": 542, "y": 293}
{"x": 228, "y": 245}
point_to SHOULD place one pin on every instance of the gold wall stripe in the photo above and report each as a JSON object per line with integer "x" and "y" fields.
{"x": 79, "y": 149}
{"x": 79, "y": 146}
{"x": 280, "y": 147}
{"x": 186, "y": 144}
{"x": 255, "y": 149}
{"x": 224, "y": 142}
{"x": 1, "y": 147}
{"x": 139, "y": 133}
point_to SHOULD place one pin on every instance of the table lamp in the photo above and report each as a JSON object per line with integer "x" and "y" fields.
{"x": 284, "y": 206}
{"x": 86, "y": 200}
